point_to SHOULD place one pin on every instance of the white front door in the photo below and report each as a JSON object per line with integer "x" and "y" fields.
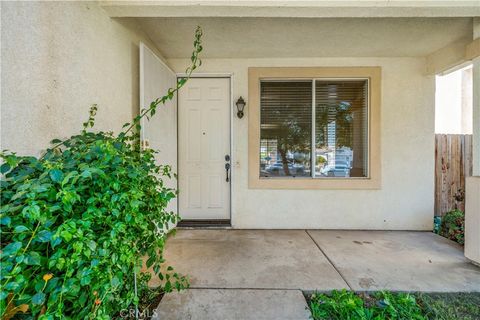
{"x": 204, "y": 149}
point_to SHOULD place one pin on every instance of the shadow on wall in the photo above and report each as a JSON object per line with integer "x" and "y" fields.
{"x": 130, "y": 25}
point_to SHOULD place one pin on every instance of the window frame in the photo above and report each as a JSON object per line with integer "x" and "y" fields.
{"x": 371, "y": 74}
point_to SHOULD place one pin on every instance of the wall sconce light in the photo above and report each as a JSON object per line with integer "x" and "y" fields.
{"x": 240, "y": 106}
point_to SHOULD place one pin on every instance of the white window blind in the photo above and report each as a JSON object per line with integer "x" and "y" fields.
{"x": 341, "y": 132}
{"x": 286, "y": 118}
{"x": 314, "y": 128}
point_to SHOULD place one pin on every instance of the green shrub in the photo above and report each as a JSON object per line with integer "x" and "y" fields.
{"x": 338, "y": 305}
{"x": 453, "y": 226}
{"x": 346, "y": 305}
{"x": 76, "y": 223}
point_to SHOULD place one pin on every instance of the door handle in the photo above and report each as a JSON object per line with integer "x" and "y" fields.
{"x": 227, "y": 166}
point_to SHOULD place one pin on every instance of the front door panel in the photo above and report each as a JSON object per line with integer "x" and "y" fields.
{"x": 204, "y": 142}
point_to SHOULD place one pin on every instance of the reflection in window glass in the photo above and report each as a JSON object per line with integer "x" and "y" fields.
{"x": 341, "y": 133}
{"x": 338, "y": 124}
{"x": 285, "y": 128}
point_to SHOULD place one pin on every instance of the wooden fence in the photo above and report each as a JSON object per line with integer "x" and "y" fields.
{"x": 453, "y": 162}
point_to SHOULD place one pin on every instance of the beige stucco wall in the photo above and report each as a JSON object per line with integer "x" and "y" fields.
{"x": 472, "y": 219}
{"x": 405, "y": 200}
{"x": 57, "y": 59}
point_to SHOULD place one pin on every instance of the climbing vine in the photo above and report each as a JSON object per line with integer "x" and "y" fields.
{"x": 80, "y": 221}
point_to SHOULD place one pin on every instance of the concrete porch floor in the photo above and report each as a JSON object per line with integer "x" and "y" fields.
{"x": 249, "y": 274}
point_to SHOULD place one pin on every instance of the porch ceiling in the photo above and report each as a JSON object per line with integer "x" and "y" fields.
{"x": 307, "y": 37}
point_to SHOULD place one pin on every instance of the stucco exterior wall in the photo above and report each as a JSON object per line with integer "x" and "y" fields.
{"x": 405, "y": 200}
{"x": 58, "y": 58}
{"x": 472, "y": 219}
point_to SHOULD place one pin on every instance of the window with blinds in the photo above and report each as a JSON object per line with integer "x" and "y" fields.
{"x": 314, "y": 128}
{"x": 285, "y": 128}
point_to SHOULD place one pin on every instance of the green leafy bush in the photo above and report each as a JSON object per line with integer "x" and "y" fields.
{"x": 453, "y": 226}
{"x": 346, "y": 305}
{"x": 77, "y": 222}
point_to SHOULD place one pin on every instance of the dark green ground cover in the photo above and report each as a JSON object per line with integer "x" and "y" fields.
{"x": 347, "y": 305}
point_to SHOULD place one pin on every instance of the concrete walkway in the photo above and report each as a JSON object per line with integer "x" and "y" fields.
{"x": 260, "y": 274}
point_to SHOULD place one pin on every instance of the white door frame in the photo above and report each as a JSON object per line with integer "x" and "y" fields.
{"x": 232, "y": 170}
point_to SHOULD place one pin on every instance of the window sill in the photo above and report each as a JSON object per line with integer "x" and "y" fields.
{"x": 307, "y": 183}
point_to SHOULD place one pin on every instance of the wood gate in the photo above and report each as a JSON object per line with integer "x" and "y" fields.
{"x": 453, "y": 162}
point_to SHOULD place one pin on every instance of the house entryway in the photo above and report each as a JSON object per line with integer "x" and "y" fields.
{"x": 204, "y": 143}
